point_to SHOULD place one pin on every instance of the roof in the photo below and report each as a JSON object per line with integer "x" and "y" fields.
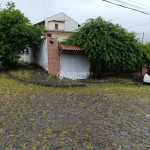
{"x": 41, "y": 22}
{"x": 57, "y": 21}
{"x": 59, "y": 31}
{"x": 69, "y": 47}
{"x": 64, "y": 14}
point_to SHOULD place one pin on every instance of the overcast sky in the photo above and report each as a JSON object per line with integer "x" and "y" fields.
{"x": 81, "y": 10}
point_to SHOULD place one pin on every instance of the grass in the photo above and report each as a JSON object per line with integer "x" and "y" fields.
{"x": 37, "y": 117}
{"x": 124, "y": 78}
{"x": 21, "y": 74}
{"x": 109, "y": 86}
{"x": 40, "y": 76}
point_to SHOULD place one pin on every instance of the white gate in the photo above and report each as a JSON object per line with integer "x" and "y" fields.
{"x": 74, "y": 65}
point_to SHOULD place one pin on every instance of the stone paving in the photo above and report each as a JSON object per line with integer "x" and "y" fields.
{"x": 104, "y": 124}
{"x": 73, "y": 119}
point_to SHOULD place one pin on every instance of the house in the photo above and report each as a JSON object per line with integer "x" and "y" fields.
{"x": 58, "y": 59}
{"x": 59, "y": 26}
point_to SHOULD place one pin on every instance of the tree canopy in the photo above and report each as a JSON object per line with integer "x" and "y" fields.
{"x": 109, "y": 44}
{"x": 146, "y": 56}
{"x": 16, "y": 34}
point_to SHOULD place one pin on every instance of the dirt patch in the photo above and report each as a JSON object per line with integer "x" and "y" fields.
{"x": 41, "y": 77}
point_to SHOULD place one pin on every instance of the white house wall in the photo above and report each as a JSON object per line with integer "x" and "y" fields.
{"x": 39, "y": 56}
{"x": 74, "y": 65}
{"x": 60, "y": 36}
{"x": 51, "y": 25}
{"x": 61, "y": 26}
{"x": 70, "y": 24}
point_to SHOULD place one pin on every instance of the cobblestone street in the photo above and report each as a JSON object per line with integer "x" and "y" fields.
{"x": 85, "y": 118}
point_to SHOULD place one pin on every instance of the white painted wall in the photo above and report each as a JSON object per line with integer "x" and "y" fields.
{"x": 58, "y": 17}
{"x": 74, "y": 65}
{"x": 60, "y": 36}
{"x": 51, "y": 25}
{"x": 39, "y": 56}
{"x": 69, "y": 24}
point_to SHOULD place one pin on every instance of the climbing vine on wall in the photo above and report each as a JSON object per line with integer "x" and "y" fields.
{"x": 108, "y": 43}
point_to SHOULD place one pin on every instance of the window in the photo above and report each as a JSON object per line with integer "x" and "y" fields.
{"x": 49, "y": 35}
{"x": 56, "y": 26}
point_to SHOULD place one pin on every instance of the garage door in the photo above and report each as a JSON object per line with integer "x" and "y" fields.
{"x": 74, "y": 65}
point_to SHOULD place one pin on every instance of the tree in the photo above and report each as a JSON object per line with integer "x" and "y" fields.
{"x": 109, "y": 44}
{"x": 16, "y": 34}
{"x": 146, "y": 56}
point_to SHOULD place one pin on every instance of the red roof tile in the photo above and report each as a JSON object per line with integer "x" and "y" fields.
{"x": 69, "y": 47}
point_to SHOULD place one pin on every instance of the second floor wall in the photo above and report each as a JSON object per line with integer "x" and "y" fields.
{"x": 54, "y": 25}
{"x": 61, "y": 22}
{"x": 60, "y": 36}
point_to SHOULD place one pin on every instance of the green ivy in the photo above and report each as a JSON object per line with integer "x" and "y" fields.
{"x": 110, "y": 43}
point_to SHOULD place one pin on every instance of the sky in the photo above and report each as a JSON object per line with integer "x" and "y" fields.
{"x": 81, "y": 10}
